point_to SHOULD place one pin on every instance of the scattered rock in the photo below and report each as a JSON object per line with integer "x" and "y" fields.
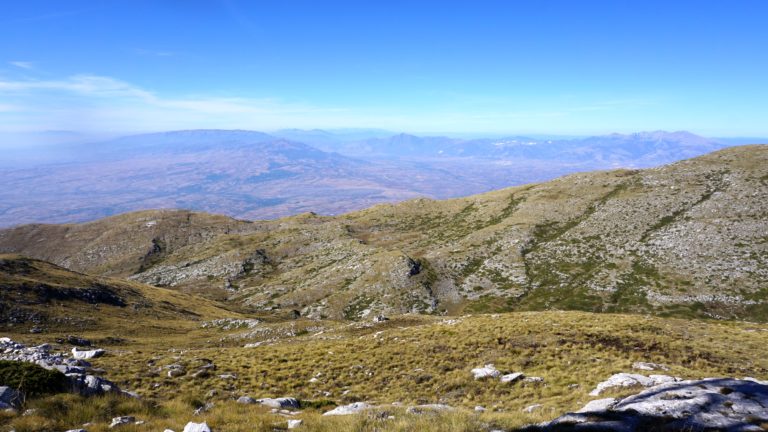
{"x": 631, "y": 380}
{"x": 380, "y": 318}
{"x": 487, "y": 371}
{"x": 532, "y": 408}
{"x": 74, "y": 340}
{"x": 533, "y": 379}
{"x": 513, "y": 377}
{"x": 122, "y": 421}
{"x": 480, "y": 409}
{"x": 283, "y": 402}
{"x": 173, "y": 373}
{"x": 77, "y": 430}
{"x": 428, "y": 408}
{"x": 649, "y": 366}
{"x": 293, "y": 424}
{"x": 247, "y": 400}
{"x": 197, "y": 427}
{"x": 87, "y": 354}
{"x": 352, "y": 408}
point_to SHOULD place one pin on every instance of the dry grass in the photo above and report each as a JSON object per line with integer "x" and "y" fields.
{"x": 410, "y": 359}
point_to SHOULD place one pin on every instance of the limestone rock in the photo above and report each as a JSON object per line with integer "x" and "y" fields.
{"x": 513, "y": 377}
{"x": 281, "y": 403}
{"x": 428, "y": 408}
{"x": 487, "y": 371}
{"x": 631, "y": 380}
{"x": 122, "y": 421}
{"x": 598, "y": 405}
{"x": 246, "y": 400}
{"x": 87, "y": 354}
{"x": 722, "y": 404}
{"x": 197, "y": 427}
{"x": 649, "y": 366}
{"x": 294, "y": 423}
{"x": 352, "y": 408}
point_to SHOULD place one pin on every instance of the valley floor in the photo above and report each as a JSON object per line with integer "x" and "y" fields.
{"x": 406, "y": 361}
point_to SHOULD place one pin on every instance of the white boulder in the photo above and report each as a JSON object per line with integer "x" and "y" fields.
{"x": 487, "y": 371}
{"x": 197, "y": 427}
{"x": 87, "y": 354}
{"x": 352, "y": 408}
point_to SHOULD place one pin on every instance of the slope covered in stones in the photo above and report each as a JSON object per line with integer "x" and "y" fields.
{"x": 686, "y": 239}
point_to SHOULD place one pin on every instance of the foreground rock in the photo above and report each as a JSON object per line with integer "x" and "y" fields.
{"x": 721, "y": 404}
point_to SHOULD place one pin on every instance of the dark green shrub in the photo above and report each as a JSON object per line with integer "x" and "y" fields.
{"x": 30, "y": 379}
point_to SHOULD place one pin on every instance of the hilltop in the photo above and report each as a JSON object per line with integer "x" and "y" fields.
{"x": 686, "y": 239}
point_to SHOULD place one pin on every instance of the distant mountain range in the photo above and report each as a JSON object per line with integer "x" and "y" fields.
{"x": 255, "y": 175}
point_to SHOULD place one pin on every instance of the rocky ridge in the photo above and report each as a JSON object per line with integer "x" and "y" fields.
{"x": 686, "y": 239}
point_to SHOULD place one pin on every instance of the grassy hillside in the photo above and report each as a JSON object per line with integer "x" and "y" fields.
{"x": 37, "y": 294}
{"x": 688, "y": 239}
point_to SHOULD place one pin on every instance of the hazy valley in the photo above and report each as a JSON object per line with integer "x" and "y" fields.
{"x": 253, "y": 175}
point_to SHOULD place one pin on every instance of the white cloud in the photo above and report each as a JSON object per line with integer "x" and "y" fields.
{"x": 93, "y": 102}
{"x": 22, "y": 64}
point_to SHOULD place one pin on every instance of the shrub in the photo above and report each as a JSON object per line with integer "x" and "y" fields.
{"x": 30, "y": 379}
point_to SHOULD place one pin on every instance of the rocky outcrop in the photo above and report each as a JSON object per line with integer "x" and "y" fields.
{"x": 722, "y": 404}
{"x": 631, "y": 380}
{"x": 77, "y": 370}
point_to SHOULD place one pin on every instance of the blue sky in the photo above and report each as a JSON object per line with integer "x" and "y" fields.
{"x": 546, "y": 67}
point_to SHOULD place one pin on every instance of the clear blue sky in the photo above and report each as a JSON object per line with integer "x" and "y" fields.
{"x": 556, "y": 67}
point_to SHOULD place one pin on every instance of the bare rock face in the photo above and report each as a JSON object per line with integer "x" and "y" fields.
{"x": 722, "y": 404}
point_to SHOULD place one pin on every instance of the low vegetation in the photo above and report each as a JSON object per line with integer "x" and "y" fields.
{"x": 410, "y": 360}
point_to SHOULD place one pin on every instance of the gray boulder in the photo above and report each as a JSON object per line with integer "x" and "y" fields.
{"x": 9, "y": 398}
{"x": 247, "y": 400}
{"x": 282, "y": 403}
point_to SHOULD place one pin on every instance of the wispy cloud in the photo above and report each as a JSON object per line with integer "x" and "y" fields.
{"x": 22, "y": 64}
{"x": 93, "y": 101}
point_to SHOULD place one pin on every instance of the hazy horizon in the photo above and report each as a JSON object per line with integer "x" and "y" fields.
{"x": 490, "y": 68}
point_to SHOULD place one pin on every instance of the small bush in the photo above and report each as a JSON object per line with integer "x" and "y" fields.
{"x": 30, "y": 379}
